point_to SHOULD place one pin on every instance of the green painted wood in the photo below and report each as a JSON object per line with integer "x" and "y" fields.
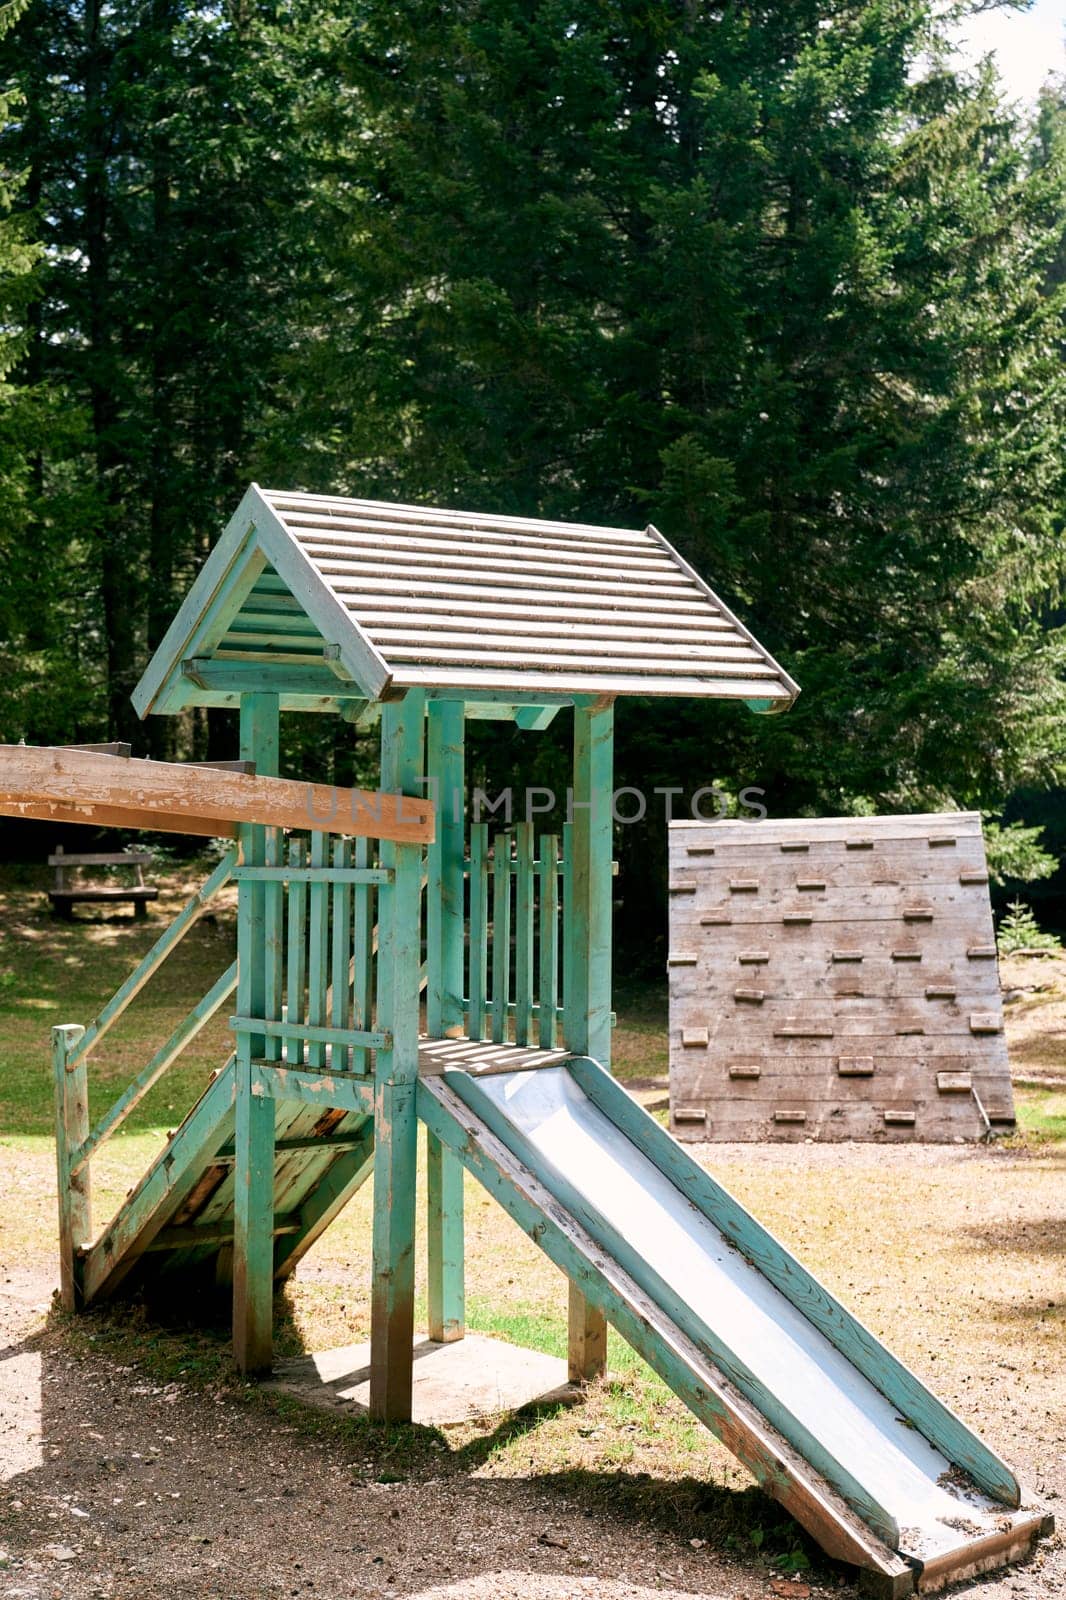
{"x": 164, "y": 1057}
{"x": 362, "y": 955}
{"x": 227, "y": 677}
{"x": 361, "y": 659}
{"x": 587, "y": 931}
{"x": 223, "y": 584}
{"x": 666, "y": 1349}
{"x": 445, "y": 941}
{"x": 312, "y": 1033}
{"x": 327, "y": 874}
{"x": 445, "y": 1283}
{"x": 208, "y": 1128}
{"x": 587, "y": 927}
{"x": 167, "y": 942}
{"x": 340, "y": 1015}
{"x": 445, "y": 759}
{"x": 296, "y": 952}
{"x": 273, "y": 937}
{"x": 318, "y": 940}
{"x": 349, "y": 1091}
{"x": 479, "y": 928}
{"x": 548, "y": 954}
{"x": 523, "y": 929}
{"x": 253, "y": 1176}
{"x": 395, "y": 1119}
{"x": 895, "y": 1381}
{"x": 343, "y": 1179}
{"x": 71, "y": 1084}
{"x": 501, "y": 935}
{"x": 535, "y": 718}
{"x": 774, "y": 1407}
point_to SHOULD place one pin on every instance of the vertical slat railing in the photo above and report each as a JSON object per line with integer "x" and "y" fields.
{"x": 362, "y": 957}
{"x": 501, "y": 936}
{"x": 340, "y": 955}
{"x": 274, "y": 947}
{"x": 523, "y": 926}
{"x": 548, "y": 952}
{"x": 296, "y": 955}
{"x": 318, "y": 943}
{"x": 478, "y": 924}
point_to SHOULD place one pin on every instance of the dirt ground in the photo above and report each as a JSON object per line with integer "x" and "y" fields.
{"x": 136, "y": 1465}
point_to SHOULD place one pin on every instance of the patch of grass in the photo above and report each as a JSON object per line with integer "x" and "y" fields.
{"x": 1041, "y": 1114}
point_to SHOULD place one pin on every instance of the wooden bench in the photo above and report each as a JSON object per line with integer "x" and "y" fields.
{"x": 65, "y": 893}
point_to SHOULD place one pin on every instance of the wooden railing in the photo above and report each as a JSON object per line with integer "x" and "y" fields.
{"x": 516, "y": 900}
{"x": 315, "y": 926}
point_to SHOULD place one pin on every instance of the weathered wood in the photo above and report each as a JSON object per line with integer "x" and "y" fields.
{"x": 166, "y": 789}
{"x": 523, "y": 918}
{"x": 72, "y": 1129}
{"x": 859, "y": 956}
{"x": 296, "y": 956}
{"x": 445, "y": 938}
{"x": 587, "y": 950}
{"x": 362, "y": 956}
{"x": 149, "y": 1075}
{"x": 340, "y": 1016}
{"x": 548, "y": 952}
{"x": 253, "y": 1199}
{"x": 479, "y": 929}
{"x": 318, "y": 960}
{"x": 587, "y": 1341}
{"x": 501, "y": 935}
{"x": 395, "y": 1119}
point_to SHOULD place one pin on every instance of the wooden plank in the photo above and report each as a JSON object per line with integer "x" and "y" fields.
{"x": 341, "y": 950}
{"x": 149, "y": 1075}
{"x": 114, "y": 858}
{"x": 217, "y": 594}
{"x": 396, "y": 1072}
{"x": 71, "y": 1084}
{"x": 348, "y": 1091}
{"x": 523, "y": 914}
{"x": 167, "y": 942}
{"x": 587, "y": 1342}
{"x": 901, "y": 825}
{"x": 445, "y": 1278}
{"x": 474, "y": 681}
{"x": 296, "y": 956}
{"x": 173, "y": 1174}
{"x": 587, "y": 935}
{"x": 479, "y": 928}
{"x": 168, "y": 790}
{"x": 445, "y": 939}
{"x": 501, "y": 935}
{"x": 253, "y": 1175}
{"x": 318, "y": 951}
{"x": 548, "y": 953}
{"x": 119, "y": 816}
{"x": 342, "y": 1179}
{"x": 362, "y": 957}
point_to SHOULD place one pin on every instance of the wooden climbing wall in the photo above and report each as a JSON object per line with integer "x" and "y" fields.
{"x": 834, "y": 979}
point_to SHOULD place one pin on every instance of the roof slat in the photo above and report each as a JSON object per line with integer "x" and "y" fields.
{"x": 442, "y": 517}
{"x": 467, "y": 646}
{"x": 544, "y": 574}
{"x": 499, "y": 589}
{"x": 584, "y": 662}
{"x": 740, "y": 687}
{"x": 497, "y": 545}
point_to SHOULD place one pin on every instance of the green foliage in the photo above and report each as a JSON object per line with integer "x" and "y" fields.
{"x": 1015, "y": 851}
{"x": 1019, "y": 930}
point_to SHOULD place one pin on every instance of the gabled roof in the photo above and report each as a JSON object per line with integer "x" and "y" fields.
{"x": 403, "y": 596}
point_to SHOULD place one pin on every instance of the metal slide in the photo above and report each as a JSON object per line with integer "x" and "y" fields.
{"x": 880, "y": 1472}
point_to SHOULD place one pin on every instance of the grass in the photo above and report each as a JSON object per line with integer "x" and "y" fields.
{"x": 951, "y": 1255}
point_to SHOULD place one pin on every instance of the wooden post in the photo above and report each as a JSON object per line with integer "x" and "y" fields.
{"x": 395, "y": 1118}
{"x": 72, "y": 1129}
{"x": 587, "y": 962}
{"x": 253, "y": 1199}
{"x": 445, "y": 938}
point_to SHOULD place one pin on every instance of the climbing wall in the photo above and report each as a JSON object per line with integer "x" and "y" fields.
{"x": 834, "y": 979}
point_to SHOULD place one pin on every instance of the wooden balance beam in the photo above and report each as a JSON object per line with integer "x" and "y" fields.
{"x": 70, "y": 785}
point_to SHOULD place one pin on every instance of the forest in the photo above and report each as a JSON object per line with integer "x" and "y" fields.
{"x": 785, "y": 279}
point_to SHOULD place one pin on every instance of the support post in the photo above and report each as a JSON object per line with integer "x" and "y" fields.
{"x": 72, "y": 1129}
{"x": 396, "y": 1078}
{"x": 253, "y": 1198}
{"x": 445, "y": 940}
{"x": 587, "y": 962}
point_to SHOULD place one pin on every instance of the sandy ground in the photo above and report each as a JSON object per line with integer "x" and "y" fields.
{"x": 118, "y": 1487}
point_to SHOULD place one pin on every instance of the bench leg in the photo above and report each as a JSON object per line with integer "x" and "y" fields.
{"x": 140, "y": 911}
